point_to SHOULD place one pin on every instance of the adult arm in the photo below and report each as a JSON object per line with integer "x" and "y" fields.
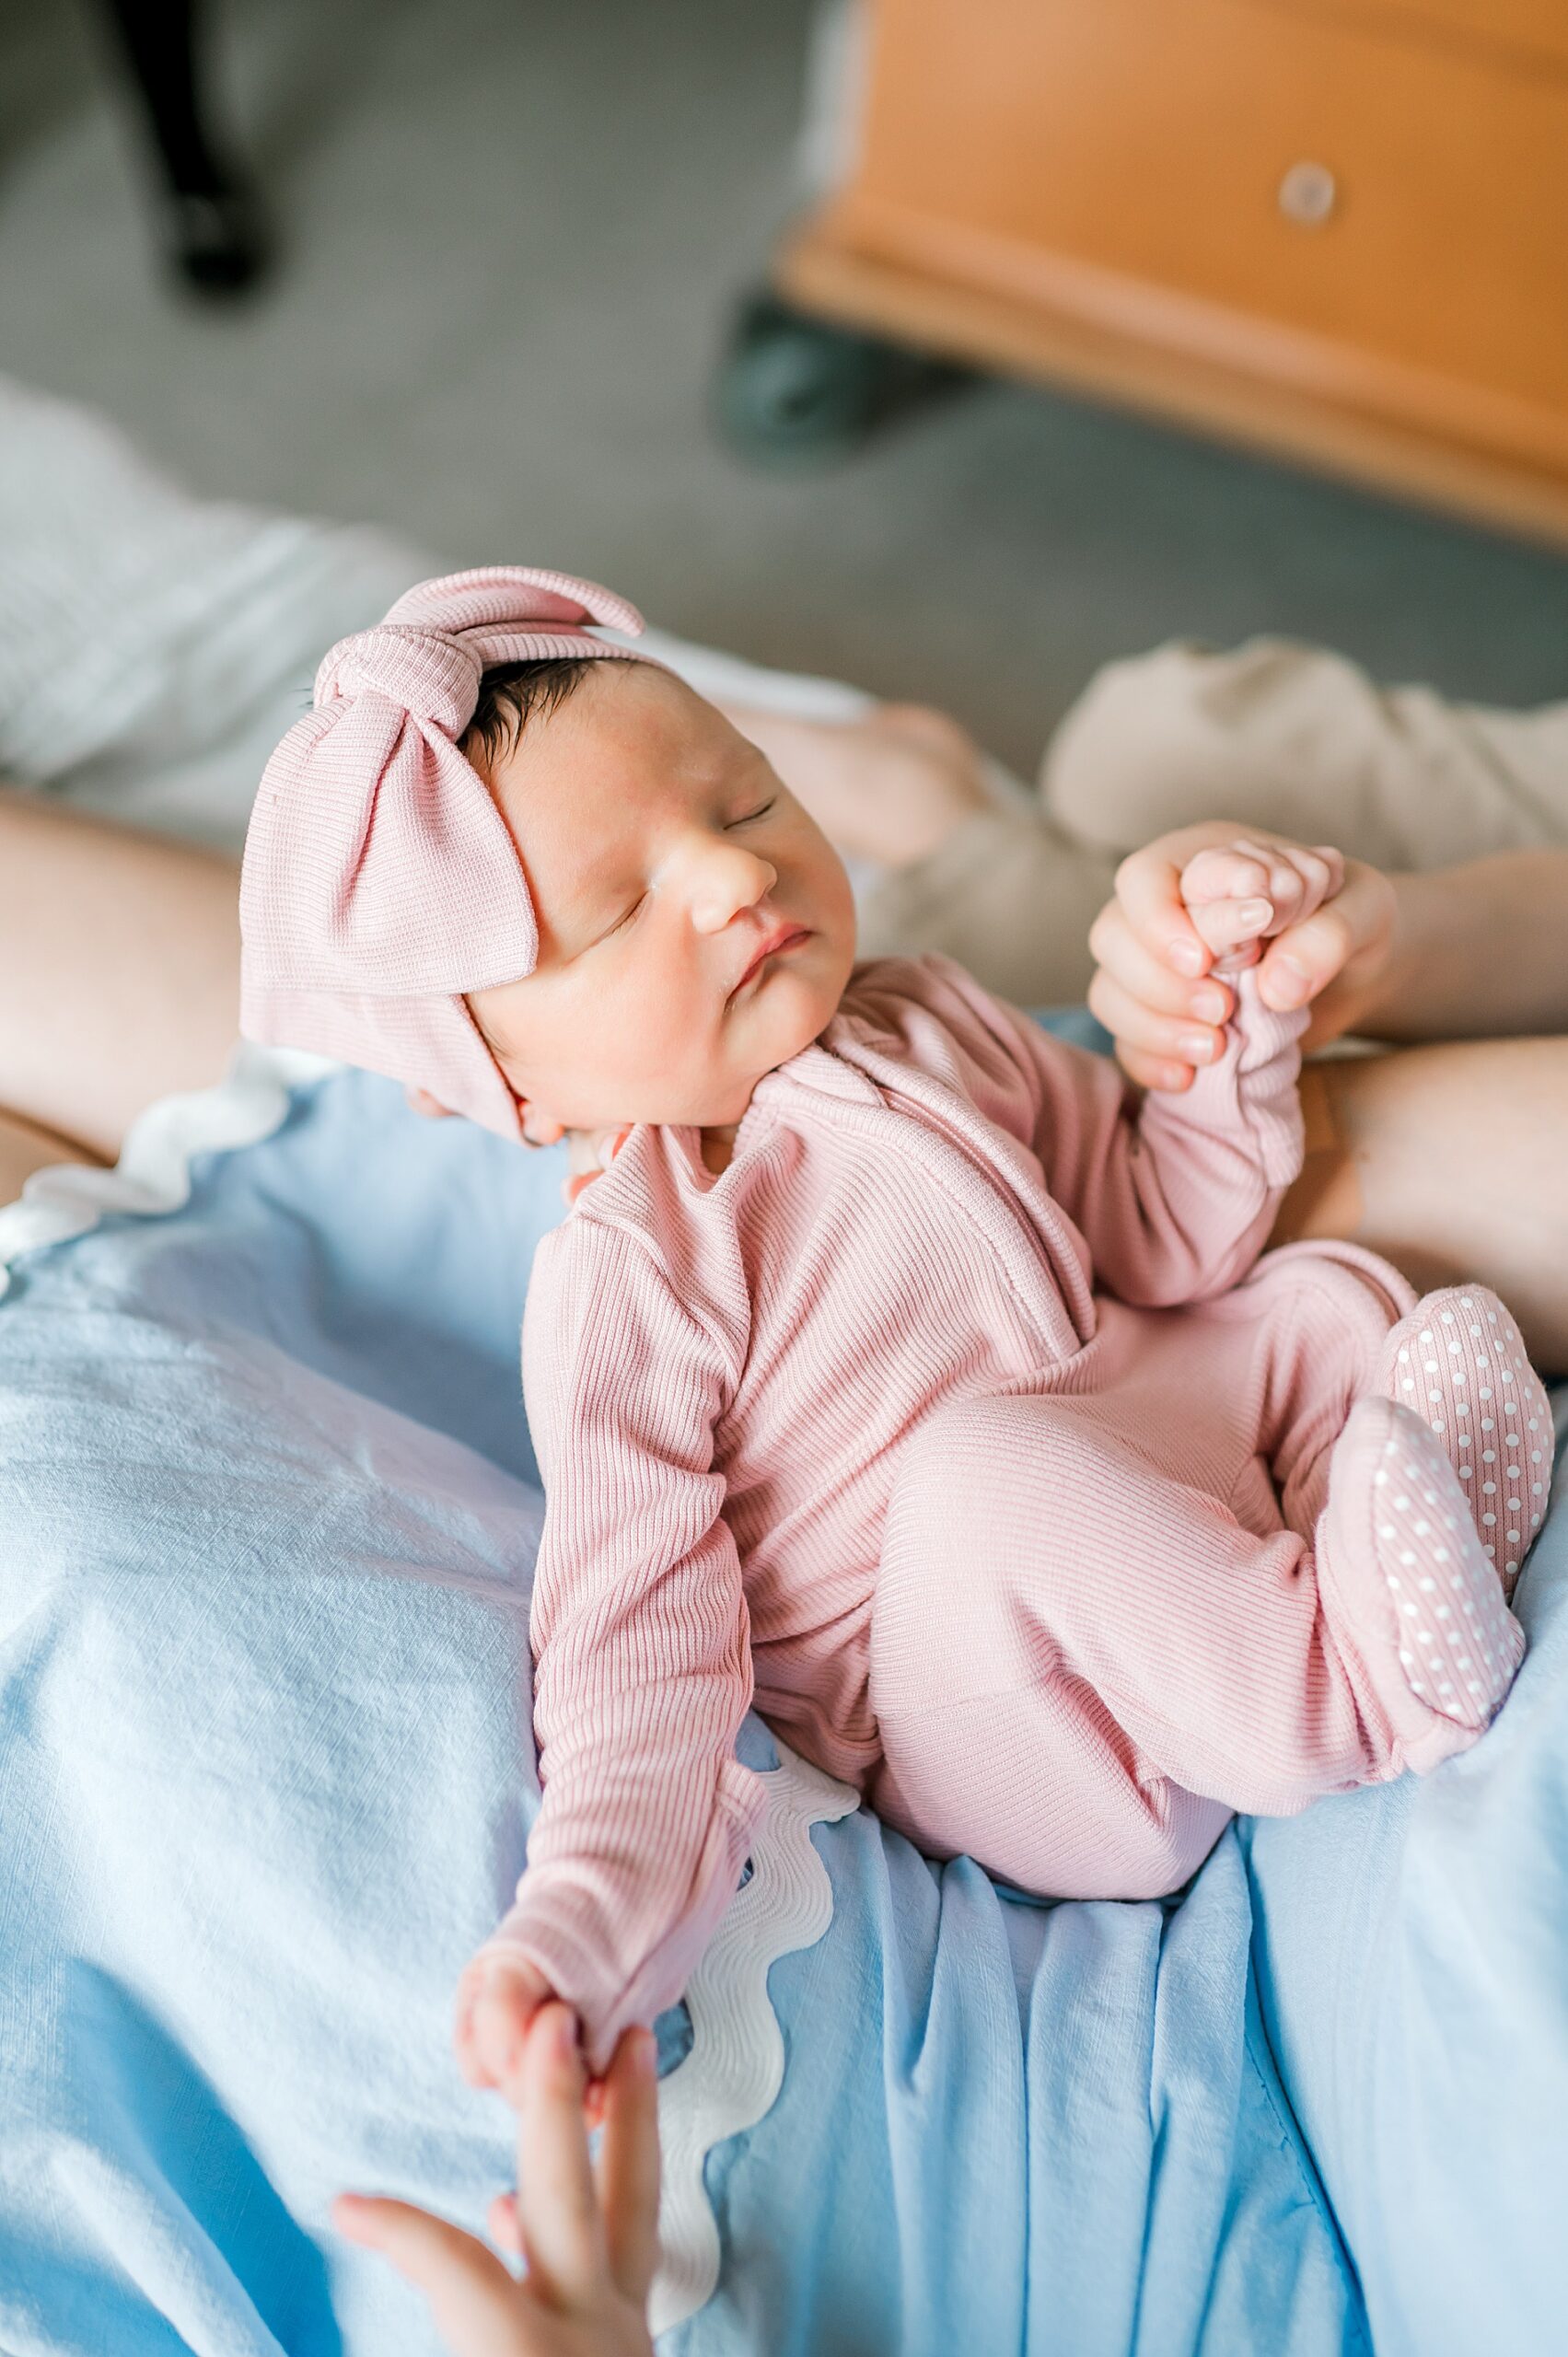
{"x": 1477, "y": 953}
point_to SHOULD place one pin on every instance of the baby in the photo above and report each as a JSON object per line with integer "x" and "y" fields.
{"x": 905, "y": 1375}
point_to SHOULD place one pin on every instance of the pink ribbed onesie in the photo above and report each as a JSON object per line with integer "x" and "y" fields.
{"x": 956, "y": 1426}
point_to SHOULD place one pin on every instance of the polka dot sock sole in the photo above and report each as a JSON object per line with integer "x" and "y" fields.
{"x": 1458, "y": 1362}
{"x": 1434, "y": 1628}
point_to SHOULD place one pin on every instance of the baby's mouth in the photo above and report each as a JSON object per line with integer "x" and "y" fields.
{"x": 782, "y": 937}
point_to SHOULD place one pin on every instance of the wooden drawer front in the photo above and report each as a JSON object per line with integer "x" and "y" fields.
{"x": 1525, "y": 28}
{"x": 1122, "y": 161}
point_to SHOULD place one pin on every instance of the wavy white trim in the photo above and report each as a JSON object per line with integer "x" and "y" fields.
{"x": 153, "y": 1174}
{"x": 734, "y": 2068}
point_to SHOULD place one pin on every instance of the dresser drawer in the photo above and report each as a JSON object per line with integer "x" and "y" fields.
{"x": 1375, "y": 218}
{"x": 1527, "y": 29}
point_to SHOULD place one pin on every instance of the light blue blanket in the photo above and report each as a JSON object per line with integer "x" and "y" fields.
{"x": 266, "y": 1525}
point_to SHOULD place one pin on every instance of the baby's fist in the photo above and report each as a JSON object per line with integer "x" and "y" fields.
{"x": 1239, "y": 894}
{"x": 497, "y": 1998}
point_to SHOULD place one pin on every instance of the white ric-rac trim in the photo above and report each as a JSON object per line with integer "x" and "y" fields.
{"x": 734, "y": 2068}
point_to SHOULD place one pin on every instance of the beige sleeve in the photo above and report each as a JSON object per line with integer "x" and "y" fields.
{"x": 1009, "y": 896}
{"x": 1274, "y": 734}
{"x": 1301, "y": 740}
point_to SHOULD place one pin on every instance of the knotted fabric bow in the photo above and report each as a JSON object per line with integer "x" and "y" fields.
{"x": 379, "y": 881}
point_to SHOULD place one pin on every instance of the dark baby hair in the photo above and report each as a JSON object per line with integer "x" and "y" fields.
{"x": 510, "y": 694}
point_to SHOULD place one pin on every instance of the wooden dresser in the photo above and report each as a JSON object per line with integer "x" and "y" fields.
{"x": 1333, "y": 229}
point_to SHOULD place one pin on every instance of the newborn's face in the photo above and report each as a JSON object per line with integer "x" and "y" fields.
{"x": 695, "y": 927}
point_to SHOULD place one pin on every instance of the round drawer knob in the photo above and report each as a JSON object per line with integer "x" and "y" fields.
{"x": 1309, "y": 194}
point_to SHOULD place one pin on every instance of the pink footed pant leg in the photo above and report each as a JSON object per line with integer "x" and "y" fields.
{"x": 1407, "y": 1587}
{"x": 1458, "y": 1362}
{"x": 1081, "y": 1666}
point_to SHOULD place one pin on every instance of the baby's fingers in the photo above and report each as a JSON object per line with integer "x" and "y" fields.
{"x": 1300, "y": 881}
{"x": 1227, "y": 927}
{"x": 589, "y": 1154}
{"x": 1227, "y": 872}
{"x": 1293, "y": 880}
{"x": 430, "y": 1108}
{"x": 471, "y": 2297}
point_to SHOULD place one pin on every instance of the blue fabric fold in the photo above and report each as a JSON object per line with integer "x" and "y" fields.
{"x": 267, "y": 1519}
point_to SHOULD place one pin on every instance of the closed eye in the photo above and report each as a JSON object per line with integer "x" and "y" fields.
{"x": 750, "y": 815}
{"x": 622, "y": 923}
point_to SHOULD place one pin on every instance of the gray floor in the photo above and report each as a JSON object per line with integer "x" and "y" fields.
{"x": 512, "y": 234}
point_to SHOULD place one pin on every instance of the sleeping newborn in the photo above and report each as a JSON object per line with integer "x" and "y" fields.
{"x": 906, "y": 1375}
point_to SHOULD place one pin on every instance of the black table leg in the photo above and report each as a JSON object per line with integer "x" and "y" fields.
{"x": 214, "y": 229}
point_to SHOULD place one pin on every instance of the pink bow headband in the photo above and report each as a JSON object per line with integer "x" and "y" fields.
{"x": 379, "y": 882}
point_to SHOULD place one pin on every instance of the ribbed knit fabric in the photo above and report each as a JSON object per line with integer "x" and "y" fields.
{"x": 380, "y": 883}
{"x": 955, "y": 1415}
{"x": 723, "y": 1375}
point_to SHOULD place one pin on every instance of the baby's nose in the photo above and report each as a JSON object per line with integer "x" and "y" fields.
{"x": 729, "y": 880}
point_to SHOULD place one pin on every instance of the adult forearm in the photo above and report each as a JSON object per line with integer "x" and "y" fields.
{"x": 1480, "y": 951}
{"x": 119, "y": 970}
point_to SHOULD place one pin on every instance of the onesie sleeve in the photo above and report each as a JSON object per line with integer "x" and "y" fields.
{"x": 1173, "y": 1196}
{"x": 640, "y": 1634}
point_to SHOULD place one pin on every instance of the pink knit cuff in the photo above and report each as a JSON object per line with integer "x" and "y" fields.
{"x": 556, "y": 1923}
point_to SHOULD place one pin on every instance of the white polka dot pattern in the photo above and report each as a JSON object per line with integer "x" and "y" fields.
{"x": 1458, "y": 1362}
{"x": 1458, "y": 1646}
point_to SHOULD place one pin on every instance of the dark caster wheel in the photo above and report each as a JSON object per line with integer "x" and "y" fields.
{"x": 796, "y": 392}
{"x": 216, "y": 245}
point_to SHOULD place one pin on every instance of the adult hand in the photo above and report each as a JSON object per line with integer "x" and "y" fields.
{"x": 1155, "y": 989}
{"x": 587, "y": 2233}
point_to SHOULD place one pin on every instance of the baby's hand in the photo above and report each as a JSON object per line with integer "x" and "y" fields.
{"x": 497, "y": 1998}
{"x": 1240, "y": 894}
{"x": 1157, "y": 989}
{"x": 589, "y": 1154}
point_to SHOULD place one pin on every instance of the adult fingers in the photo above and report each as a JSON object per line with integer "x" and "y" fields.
{"x": 1154, "y": 1072}
{"x": 471, "y": 2297}
{"x": 1334, "y": 861}
{"x": 1148, "y": 887}
{"x": 1357, "y": 922}
{"x": 1114, "y": 945}
{"x": 629, "y": 2164}
{"x": 1178, "y": 1040}
{"x": 563, "y": 2233}
{"x": 501, "y": 2218}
